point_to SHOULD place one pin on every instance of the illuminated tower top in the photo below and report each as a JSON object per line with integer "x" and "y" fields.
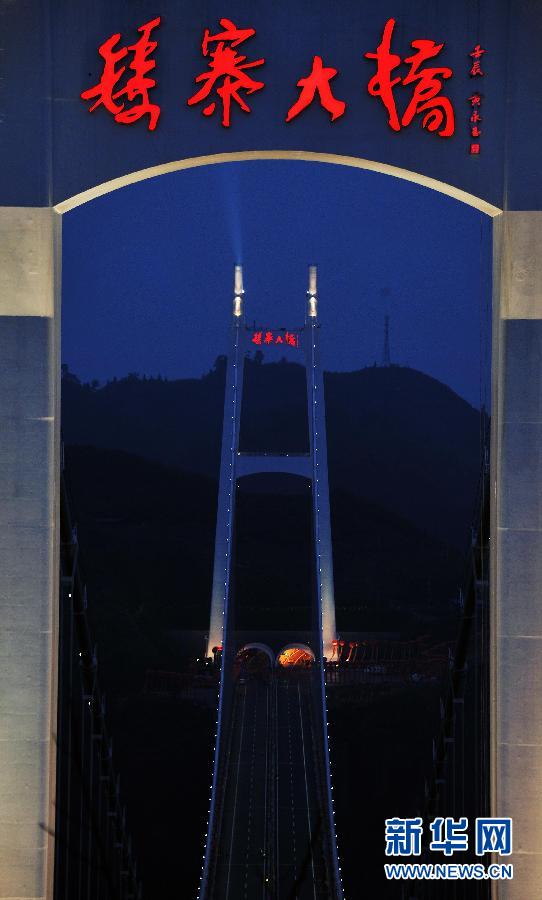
{"x": 312, "y": 299}
{"x": 238, "y": 293}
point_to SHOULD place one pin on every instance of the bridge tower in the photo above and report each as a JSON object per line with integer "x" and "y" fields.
{"x": 235, "y": 464}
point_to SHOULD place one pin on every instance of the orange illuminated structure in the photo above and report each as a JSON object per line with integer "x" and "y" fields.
{"x": 296, "y": 656}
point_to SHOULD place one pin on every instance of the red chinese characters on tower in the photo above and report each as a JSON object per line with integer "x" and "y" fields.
{"x": 426, "y": 98}
{"x": 289, "y": 338}
{"x": 137, "y": 85}
{"x": 318, "y": 81}
{"x": 227, "y": 71}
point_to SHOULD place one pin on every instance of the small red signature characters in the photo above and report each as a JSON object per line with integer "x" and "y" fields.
{"x": 317, "y": 81}
{"x": 136, "y": 86}
{"x": 475, "y": 101}
{"x": 475, "y": 131}
{"x": 228, "y": 67}
{"x": 439, "y": 112}
{"x": 476, "y": 55}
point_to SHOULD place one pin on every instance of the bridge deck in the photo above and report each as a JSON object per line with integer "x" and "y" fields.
{"x": 241, "y": 856}
{"x": 269, "y": 842}
{"x": 299, "y": 859}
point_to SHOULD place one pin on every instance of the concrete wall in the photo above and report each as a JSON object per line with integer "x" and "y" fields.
{"x": 516, "y": 575}
{"x": 29, "y": 467}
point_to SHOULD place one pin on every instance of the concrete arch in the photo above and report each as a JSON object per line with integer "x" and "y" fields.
{"x": 30, "y": 262}
{"x": 292, "y": 155}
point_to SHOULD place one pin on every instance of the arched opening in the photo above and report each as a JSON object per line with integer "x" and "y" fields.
{"x": 296, "y": 655}
{"x": 254, "y": 660}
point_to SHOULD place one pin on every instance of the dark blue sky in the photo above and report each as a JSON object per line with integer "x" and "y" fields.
{"x": 148, "y": 270}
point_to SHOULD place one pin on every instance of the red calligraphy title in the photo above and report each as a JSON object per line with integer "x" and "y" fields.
{"x": 427, "y": 84}
{"x": 229, "y": 80}
{"x": 137, "y": 86}
{"x": 317, "y": 82}
{"x": 227, "y": 71}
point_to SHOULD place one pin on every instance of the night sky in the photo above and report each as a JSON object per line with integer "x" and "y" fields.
{"x": 148, "y": 271}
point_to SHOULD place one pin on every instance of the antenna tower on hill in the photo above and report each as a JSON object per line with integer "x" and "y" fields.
{"x": 386, "y": 359}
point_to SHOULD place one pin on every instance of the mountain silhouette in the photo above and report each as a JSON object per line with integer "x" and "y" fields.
{"x": 396, "y": 437}
{"x": 146, "y": 533}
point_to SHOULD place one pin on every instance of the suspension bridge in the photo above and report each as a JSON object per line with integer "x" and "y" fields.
{"x": 271, "y": 821}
